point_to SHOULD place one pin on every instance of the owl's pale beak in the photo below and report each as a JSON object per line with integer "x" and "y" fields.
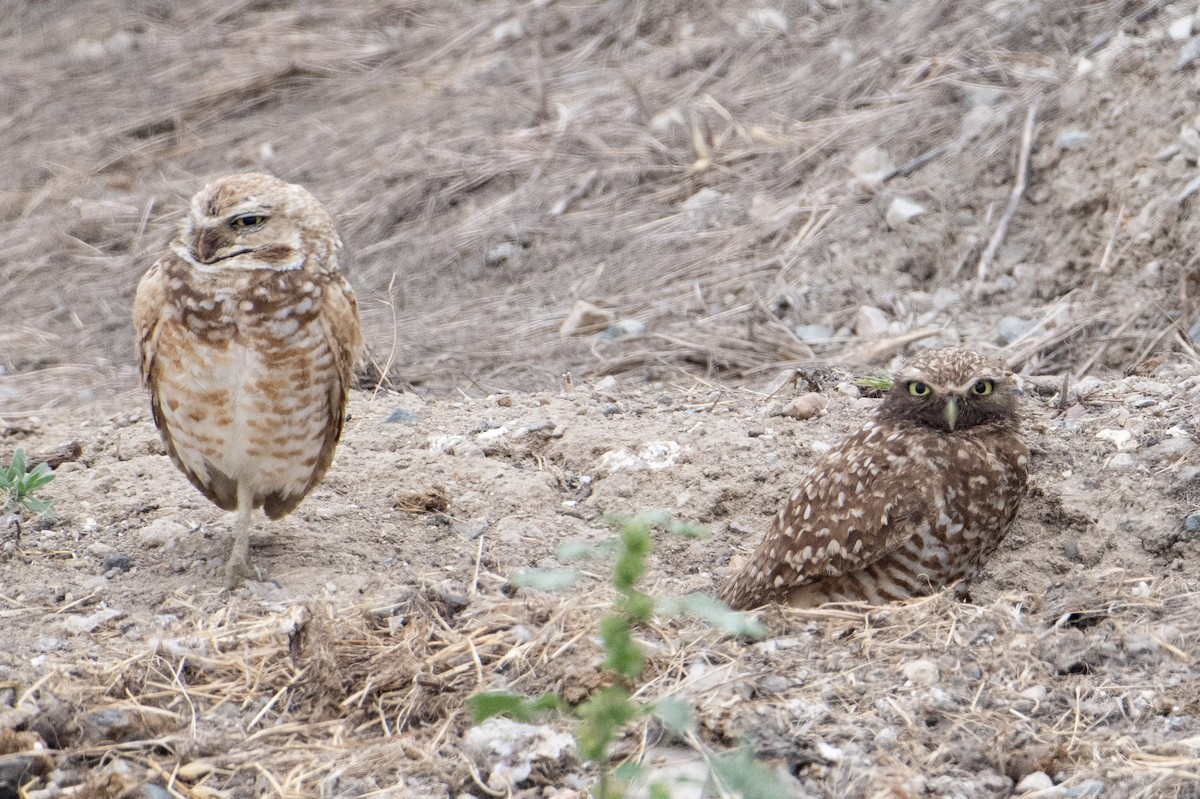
{"x": 950, "y": 412}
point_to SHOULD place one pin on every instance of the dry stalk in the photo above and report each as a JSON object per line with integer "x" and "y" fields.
{"x": 1014, "y": 200}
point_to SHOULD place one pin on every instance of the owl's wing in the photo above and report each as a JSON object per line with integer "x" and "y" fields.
{"x": 343, "y": 336}
{"x": 339, "y": 320}
{"x": 852, "y": 510}
{"x": 150, "y": 302}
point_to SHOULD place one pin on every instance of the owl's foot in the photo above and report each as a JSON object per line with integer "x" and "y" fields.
{"x": 239, "y": 569}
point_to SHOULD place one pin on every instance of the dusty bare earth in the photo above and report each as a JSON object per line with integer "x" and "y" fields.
{"x": 716, "y": 178}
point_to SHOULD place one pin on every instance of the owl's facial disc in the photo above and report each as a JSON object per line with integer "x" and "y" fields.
{"x": 250, "y": 235}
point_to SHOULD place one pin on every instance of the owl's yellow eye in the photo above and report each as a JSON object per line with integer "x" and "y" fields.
{"x": 982, "y": 388}
{"x": 246, "y": 221}
{"x": 917, "y": 388}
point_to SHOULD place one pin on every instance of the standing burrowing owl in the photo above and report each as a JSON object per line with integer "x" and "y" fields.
{"x": 918, "y": 498}
{"x": 247, "y": 335}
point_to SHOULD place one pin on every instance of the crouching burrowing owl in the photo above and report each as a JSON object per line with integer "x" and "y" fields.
{"x": 247, "y": 336}
{"x": 918, "y": 498}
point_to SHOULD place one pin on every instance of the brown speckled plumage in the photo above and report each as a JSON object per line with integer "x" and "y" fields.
{"x": 918, "y": 498}
{"x": 247, "y": 335}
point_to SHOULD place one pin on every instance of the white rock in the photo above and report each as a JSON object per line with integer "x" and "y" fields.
{"x": 506, "y": 750}
{"x": 870, "y": 322}
{"x": 161, "y": 533}
{"x": 652, "y": 455}
{"x": 1035, "y": 693}
{"x": 77, "y": 623}
{"x": 508, "y": 31}
{"x": 1121, "y": 439}
{"x": 920, "y": 672}
{"x": 668, "y": 120}
{"x": 762, "y": 22}
{"x": 444, "y": 442}
{"x": 1181, "y": 29}
{"x": 1037, "y": 781}
{"x": 702, "y": 199}
{"x": 901, "y": 211}
{"x": 872, "y": 165}
{"x": 829, "y": 752}
{"x": 606, "y": 384}
{"x": 493, "y": 434}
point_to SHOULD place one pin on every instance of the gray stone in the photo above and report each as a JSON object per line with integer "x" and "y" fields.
{"x": 624, "y": 327}
{"x": 161, "y": 533}
{"x": 18, "y": 770}
{"x": 1011, "y": 328}
{"x": 401, "y": 415}
{"x": 116, "y": 561}
{"x": 472, "y": 528}
{"x": 1191, "y": 523}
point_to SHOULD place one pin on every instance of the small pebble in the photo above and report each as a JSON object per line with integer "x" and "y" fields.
{"x": 920, "y": 672}
{"x": 813, "y": 332}
{"x": 1191, "y": 524}
{"x": 401, "y": 415}
{"x": 1181, "y": 29}
{"x": 1120, "y": 461}
{"x": 605, "y": 384}
{"x": 472, "y": 528}
{"x": 161, "y": 533}
{"x": 806, "y": 406}
{"x": 1035, "y": 693}
{"x": 901, "y": 211}
{"x": 1037, "y": 781}
{"x": 1069, "y": 139}
{"x": 117, "y": 562}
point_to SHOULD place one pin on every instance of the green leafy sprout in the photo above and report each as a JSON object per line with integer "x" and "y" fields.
{"x": 601, "y": 719}
{"x": 18, "y": 488}
{"x": 874, "y": 382}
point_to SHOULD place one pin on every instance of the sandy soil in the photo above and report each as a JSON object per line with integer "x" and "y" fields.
{"x": 696, "y": 170}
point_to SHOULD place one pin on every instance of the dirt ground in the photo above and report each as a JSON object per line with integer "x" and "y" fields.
{"x": 730, "y": 186}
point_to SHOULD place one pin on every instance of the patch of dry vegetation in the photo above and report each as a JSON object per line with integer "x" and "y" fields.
{"x": 689, "y": 167}
{"x": 935, "y": 698}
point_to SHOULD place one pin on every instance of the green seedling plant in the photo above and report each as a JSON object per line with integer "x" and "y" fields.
{"x": 18, "y": 488}
{"x": 601, "y": 720}
{"x": 874, "y": 382}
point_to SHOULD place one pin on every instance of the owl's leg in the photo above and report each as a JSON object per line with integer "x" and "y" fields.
{"x": 238, "y": 567}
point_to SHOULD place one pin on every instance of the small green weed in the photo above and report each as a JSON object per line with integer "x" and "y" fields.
{"x": 601, "y": 719}
{"x": 17, "y": 488}
{"x": 874, "y": 382}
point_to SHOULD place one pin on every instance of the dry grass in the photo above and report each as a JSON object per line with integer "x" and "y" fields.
{"x": 1096, "y": 681}
{"x": 490, "y": 164}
